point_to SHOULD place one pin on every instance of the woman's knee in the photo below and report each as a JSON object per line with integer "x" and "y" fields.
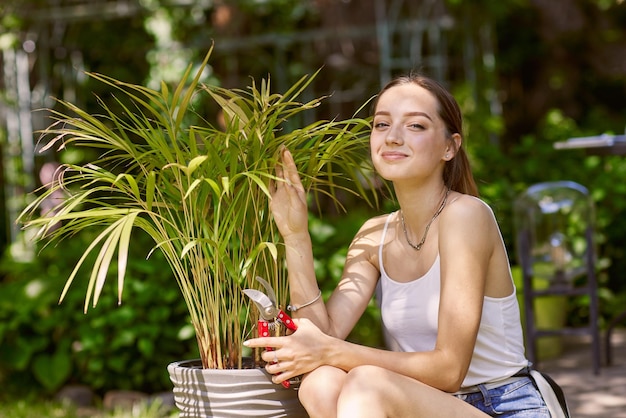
{"x": 320, "y": 389}
{"x": 364, "y": 389}
{"x": 366, "y": 378}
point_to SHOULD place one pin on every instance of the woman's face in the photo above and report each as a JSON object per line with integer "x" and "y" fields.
{"x": 408, "y": 137}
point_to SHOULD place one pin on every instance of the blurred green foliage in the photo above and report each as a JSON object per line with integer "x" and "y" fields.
{"x": 30, "y": 407}
{"x": 44, "y": 345}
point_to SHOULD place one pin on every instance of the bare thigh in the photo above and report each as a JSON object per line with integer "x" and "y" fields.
{"x": 371, "y": 391}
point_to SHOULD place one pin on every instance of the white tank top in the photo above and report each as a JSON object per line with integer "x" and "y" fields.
{"x": 410, "y": 319}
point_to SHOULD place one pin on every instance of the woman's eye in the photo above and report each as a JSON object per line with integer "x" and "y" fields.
{"x": 379, "y": 125}
{"x": 416, "y": 126}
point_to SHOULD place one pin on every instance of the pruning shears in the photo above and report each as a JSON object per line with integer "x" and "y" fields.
{"x": 271, "y": 315}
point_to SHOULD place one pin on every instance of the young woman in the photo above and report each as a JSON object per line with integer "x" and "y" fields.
{"x": 447, "y": 299}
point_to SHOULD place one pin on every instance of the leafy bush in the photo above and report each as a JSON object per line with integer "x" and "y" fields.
{"x": 44, "y": 345}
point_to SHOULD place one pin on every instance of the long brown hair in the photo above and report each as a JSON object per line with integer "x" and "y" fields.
{"x": 457, "y": 173}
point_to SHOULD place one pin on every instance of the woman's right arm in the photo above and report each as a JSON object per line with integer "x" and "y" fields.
{"x": 339, "y": 315}
{"x": 350, "y": 298}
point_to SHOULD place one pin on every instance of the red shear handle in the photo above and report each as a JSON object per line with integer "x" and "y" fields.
{"x": 264, "y": 328}
{"x": 264, "y": 331}
{"x": 286, "y": 319}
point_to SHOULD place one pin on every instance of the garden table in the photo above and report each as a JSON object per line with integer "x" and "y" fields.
{"x": 596, "y": 145}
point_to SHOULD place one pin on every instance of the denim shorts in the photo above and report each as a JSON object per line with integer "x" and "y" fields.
{"x": 517, "y": 399}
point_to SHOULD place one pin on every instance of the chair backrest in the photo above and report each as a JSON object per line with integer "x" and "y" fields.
{"x": 554, "y": 230}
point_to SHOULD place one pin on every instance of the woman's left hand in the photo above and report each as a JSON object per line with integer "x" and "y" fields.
{"x": 295, "y": 354}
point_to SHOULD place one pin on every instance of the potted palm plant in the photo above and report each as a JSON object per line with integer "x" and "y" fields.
{"x": 200, "y": 191}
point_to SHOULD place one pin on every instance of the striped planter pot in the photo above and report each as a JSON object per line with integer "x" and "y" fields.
{"x": 233, "y": 393}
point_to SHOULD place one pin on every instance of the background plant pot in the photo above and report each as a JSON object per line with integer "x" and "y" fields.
{"x": 550, "y": 313}
{"x": 229, "y": 393}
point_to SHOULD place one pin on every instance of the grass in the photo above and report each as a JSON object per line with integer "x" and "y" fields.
{"x": 32, "y": 408}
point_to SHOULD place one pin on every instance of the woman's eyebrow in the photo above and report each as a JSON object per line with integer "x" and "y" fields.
{"x": 385, "y": 113}
{"x": 419, "y": 114}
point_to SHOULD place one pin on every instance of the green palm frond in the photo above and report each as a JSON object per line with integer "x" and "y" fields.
{"x": 200, "y": 191}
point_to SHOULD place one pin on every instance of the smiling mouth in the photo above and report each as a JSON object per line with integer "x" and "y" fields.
{"x": 393, "y": 155}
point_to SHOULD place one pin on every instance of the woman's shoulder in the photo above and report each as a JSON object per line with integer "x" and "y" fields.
{"x": 468, "y": 227}
{"x": 464, "y": 204}
{"x": 466, "y": 211}
{"x": 377, "y": 220}
{"x": 372, "y": 228}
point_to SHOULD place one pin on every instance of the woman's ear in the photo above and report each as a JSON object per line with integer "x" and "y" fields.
{"x": 454, "y": 144}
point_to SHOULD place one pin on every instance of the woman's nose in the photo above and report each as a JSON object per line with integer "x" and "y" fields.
{"x": 394, "y": 137}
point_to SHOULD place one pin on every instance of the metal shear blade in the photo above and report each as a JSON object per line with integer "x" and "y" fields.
{"x": 267, "y": 308}
{"x": 266, "y": 302}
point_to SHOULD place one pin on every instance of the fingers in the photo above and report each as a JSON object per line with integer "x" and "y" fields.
{"x": 286, "y": 169}
{"x": 273, "y": 357}
{"x": 273, "y": 342}
{"x": 276, "y": 366}
{"x": 290, "y": 170}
